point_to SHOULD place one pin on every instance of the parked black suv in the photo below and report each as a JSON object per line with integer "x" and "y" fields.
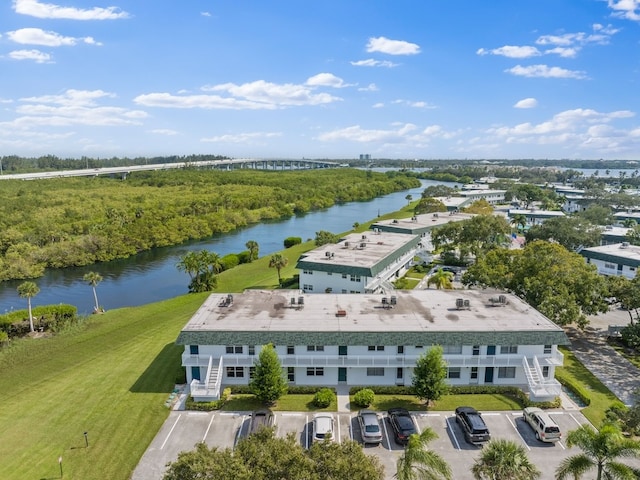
{"x": 475, "y": 430}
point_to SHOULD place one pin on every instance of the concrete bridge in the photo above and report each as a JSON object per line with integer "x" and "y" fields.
{"x": 229, "y": 164}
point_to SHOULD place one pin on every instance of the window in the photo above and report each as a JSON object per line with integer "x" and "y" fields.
{"x": 453, "y": 372}
{"x": 399, "y": 372}
{"x": 474, "y": 373}
{"x": 307, "y": 272}
{"x": 291, "y": 374}
{"x": 291, "y": 350}
{"x": 315, "y": 348}
{"x": 545, "y": 372}
{"x": 234, "y": 349}
{"x": 355, "y": 278}
{"x": 252, "y": 371}
{"x": 507, "y": 372}
{"x": 329, "y": 273}
{"x": 344, "y": 290}
{"x": 315, "y": 371}
{"x": 508, "y": 349}
{"x": 375, "y": 372}
{"x": 194, "y": 349}
{"x": 476, "y": 350}
{"x": 235, "y": 372}
{"x": 400, "y": 349}
{"x": 252, "y": 349}
{"x": 375, "y": 348}
{"x": 547, "y": 349}
{"x": 418, "y": 346}
{"x": 307, "y": 287}
{"x": 344, "y": 275}
{"x": 452, "y": 349}
{"x": 610, "y": 266}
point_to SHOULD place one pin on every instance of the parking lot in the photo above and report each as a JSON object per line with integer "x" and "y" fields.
{"x": 183, "y": 429}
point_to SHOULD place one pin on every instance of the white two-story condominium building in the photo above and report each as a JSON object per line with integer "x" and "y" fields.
{"x": 615, "y": 259}
{"x": 488, "y": 338}
{"x": 360, "y": 263}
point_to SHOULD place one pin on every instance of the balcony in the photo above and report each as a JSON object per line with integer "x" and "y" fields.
{"x": 552, "y": 359}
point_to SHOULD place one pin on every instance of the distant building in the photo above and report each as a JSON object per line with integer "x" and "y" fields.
{"x": 621, "y": 217}
{"x": 365, "y": 156}
{"x": 360, "y": 263}
{"x": 488, "y": 338}
{"x": 617, "y": 259}
{"x": 534, "y": 217}
{"x": 612, "y": 234}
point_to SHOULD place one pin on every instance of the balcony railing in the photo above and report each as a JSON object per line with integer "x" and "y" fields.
{"x": 453, "y": 360}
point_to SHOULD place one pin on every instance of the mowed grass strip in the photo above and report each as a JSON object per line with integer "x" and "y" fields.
{"x": 110, "y": 378}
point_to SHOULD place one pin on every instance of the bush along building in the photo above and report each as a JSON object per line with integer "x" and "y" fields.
{"x": 489, "y": 338}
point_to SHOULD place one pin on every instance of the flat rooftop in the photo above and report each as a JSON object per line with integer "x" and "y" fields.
{"x": 621, "y": 250}
{"x": 268, "y": 311}
{"x": 364, "y": 250}
{"x": 536, "y": 213}
{"x": 424, "y": 221}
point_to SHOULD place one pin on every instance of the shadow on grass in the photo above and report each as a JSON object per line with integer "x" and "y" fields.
{"x": 161, "y": 373}
{"x": 383, "y": 403}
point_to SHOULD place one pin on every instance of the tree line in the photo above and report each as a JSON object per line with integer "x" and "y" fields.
{"x": 58, "y": 223}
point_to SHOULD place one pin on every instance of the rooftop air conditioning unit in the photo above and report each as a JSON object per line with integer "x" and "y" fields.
{"x": 385, "y": 300}
{"x": 327, "y": 254}
{"x": 364, "y": 237}
{"x": 459, "y": 303}
{"x": 394, "y": 300}
{"x": 362, "y": 245}
{"x": 346, "y": 244}
{"x": 300, "y": 300}
{"x": 624, "y": 244}
{"x": 466, "y": 304}
{"x": 293, "y": 300}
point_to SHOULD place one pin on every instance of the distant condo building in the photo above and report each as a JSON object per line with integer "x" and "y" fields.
{"x": 616, "y": 259}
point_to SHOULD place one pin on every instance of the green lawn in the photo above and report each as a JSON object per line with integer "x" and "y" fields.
{"x": 109, "y": 378}
{"x": 288, "y": 403}
{"x": 447, "y": 403}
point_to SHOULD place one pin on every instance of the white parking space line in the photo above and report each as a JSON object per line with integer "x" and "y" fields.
{"x": 417, "y": 426}
{"x": 453, "y": 434}
{"x": 208, "y": 427}
{"x": 560, "y": 443}
{"x": 491, "y": 414}
{"x": 291, "y": 414}
{"x": 521, "y": 438}
{"x": 386, "y": 433}
{"x": 239, "y": 432}
{"x": 350, "y": 429}
{"x": 305, "y": 431}
{"x": 429, "y": 414}
{"x": 338, "y": 422}
{"x": 170, "y": 431}
{"x": 574, "y": 419}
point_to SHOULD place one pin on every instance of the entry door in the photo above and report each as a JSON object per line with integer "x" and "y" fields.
{"x": 195, "y": 373}
{"x": 342, "y": 350}
{"x": 491, "y": 349}
{"x": 342, "y": 374}
{"x": 488, "y": 375}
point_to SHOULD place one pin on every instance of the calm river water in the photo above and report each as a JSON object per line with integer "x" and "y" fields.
{"x": 152, "y": 276}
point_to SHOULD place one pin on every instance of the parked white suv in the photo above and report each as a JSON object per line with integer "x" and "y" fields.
{"x": 546, "y": 429}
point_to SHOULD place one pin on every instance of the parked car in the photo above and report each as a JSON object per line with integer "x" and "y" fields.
{"x": 323, "y": 427}
{"x": 402, "y": 424}
{"x": 369, "y": 427}
{"x": 473, "y": 426}
{"x": 261, "y": 418}
{"x": 545, "y": 428}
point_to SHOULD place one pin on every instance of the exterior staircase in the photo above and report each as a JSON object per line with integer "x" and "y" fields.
{"x": 540, "y": 389}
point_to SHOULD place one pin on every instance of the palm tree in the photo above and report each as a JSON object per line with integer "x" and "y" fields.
{"x": 408, "y": 198}
{"x": 93, "y": 279}
{"x": 519, "y": 221}
{"x": 600, "y": 449}
{"x": 278, "y": 261}
{"x": 253, "y": 248}
{"x": 442, "y": 279}
{"x": 419, "y": 463}
{"x": 504, "y": 460}
{"x": 189, "y": 263}
{"x": 28, "y": 290}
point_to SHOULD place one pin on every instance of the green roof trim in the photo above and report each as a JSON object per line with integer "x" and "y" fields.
{"x": 552, "y": 337}
{"x": 607, "y": 257}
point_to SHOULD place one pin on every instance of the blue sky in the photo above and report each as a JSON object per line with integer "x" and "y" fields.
{"x": 326, "y": 79}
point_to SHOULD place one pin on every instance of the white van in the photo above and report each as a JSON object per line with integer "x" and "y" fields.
{"x": 546, "y": 429}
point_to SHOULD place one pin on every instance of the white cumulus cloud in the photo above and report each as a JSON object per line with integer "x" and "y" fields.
{"x": 37, "y": 36}
{"x": 326, "y": 80}
{"x": 392, "y": 47}
{"x": 545, "y": 71}
{"x": 246, "y": 138}
{"x": 629, "y": 9}
{"x": 370, "y": 62}
{"x": 37, "y": 9}
{"x": 511, "y": 51}
{"x": 35, "y": 55}
{"x": 526, "y": 103}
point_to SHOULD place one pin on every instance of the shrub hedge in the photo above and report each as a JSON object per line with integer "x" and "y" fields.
{"x": 576, "y": 388}
{"x": 190, "y": 404}
{"x": 46, "y": 318}
{"x": 324, "y": 397}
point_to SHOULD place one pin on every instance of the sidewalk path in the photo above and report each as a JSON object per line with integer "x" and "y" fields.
{"x": 616, "y": 372}
{"x": 342, "y": 392}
